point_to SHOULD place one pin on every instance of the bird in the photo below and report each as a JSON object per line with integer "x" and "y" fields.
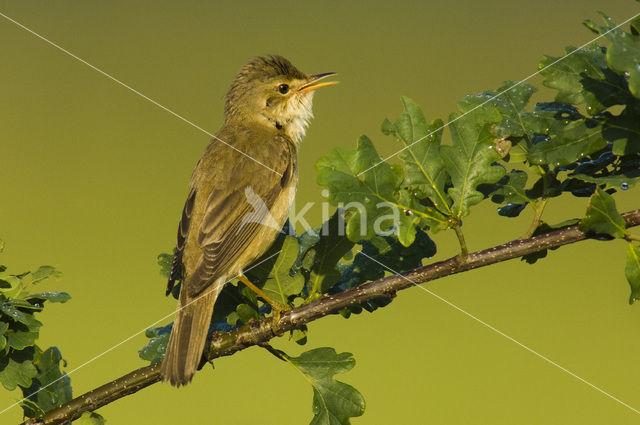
{"x": 254, "y": 154}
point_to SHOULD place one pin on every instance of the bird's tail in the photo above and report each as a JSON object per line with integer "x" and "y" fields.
{"x": 188, "y": 336}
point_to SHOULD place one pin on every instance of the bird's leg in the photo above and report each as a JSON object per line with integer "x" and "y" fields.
{"x": 275, "y": 306}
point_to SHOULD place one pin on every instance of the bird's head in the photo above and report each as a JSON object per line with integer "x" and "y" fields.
{"x": 271, "y": 91}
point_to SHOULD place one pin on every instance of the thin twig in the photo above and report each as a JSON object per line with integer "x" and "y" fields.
{"x": 258, "y": 333}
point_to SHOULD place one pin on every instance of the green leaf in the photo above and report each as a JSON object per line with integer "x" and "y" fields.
{"x": 280, "y": 284}
{"x": 21, "y": 336}
{"x": 309, "y": 239}
{"x": 632, "y": 271}
{"x": 51, "y": 387}
{"x": 563, "y": 141}
{"x": 322, "y": 257}
{"x": 624, "y": 131}
{"x": 31, "y": 409}
{"x": 45, "y": 272}
{"x": 17, "y": 369}
{"x": 567, "y": 75}
{"x": 4, "y": 326}
{"x": 11, "y": 309}
{"x": 246, "y": 313}
{"x": 602, "y": 216}
{"x": 511, "y": 189}
{"x": 511, "y": 210}
{"x": 90, "y": 418}
{"x": 509, "y": 100}
{"x": 620, "y": 181}
{"x": 511, "y": 192}
{"x": 165, "y": 261}
{"x": 225, "y": 315}
{"x": 9, "y": 284}
{"x": 594, "y": 164}
{"x": 334, "y": 402}
{"x": 53, "y": 297}
{"x": 372, "y": 199}
{"x": 623, "y": 55}
{"x": 154, "y": 350}
{"x": 423, "y": 166}
{"x": 469, "y": 161}
{"x": 25, "y": 305}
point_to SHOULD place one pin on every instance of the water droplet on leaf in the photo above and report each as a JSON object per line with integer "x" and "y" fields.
{"x": 624, "y": 186}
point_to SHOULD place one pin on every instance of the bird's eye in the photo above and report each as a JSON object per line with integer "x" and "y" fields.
{"x": 283, "y": 88}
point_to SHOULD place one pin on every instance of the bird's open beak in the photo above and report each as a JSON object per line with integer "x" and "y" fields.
{"x": 314, "y": 83}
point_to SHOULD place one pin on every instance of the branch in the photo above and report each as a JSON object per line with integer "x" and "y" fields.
{"x": 257, "y": 333}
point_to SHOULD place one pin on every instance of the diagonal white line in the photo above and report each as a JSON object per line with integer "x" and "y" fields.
{"x": 135, "y": 91}
{"x": 134, "y": 335}
{"x": 498, "y": 94}
{"x": 498, "y": 331}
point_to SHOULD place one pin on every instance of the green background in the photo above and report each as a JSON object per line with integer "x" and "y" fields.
{"x": 93, "y": 178}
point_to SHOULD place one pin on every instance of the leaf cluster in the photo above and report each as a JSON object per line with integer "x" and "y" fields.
{"x": 496, "y": 146}
{"x": 23, "y": 364}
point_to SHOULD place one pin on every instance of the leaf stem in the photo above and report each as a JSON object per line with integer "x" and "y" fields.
{"x": 631, "y": 237}
{"x": 281, "y": 355}
{"x": 536, "y": 218}
{"x": 276, "y": 353}
{"x": 463, "y": 245}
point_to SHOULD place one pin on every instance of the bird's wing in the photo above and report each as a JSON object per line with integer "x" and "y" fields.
{"x": 234, "y": 213}
{"x": 183, "y": 229}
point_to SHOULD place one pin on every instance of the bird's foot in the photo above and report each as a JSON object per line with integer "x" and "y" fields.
{"x": 277, "y": 310}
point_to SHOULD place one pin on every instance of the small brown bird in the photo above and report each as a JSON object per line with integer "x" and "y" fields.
{"x": 267, "y": 111}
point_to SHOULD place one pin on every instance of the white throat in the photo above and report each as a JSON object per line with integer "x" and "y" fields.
{"x": 294, "y": 116}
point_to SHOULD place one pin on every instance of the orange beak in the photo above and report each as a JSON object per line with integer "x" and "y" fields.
{"x": 314, "y": 83}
